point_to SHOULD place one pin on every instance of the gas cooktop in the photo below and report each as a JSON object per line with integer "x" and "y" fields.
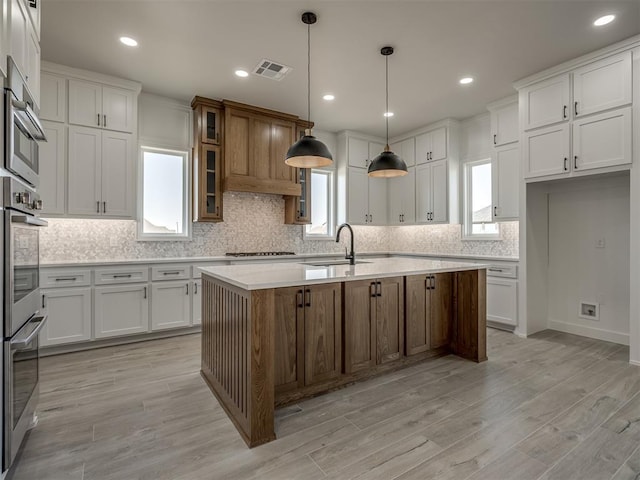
{"x": 257, "y": 254}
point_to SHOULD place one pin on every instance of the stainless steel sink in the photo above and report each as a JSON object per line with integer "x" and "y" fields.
{"x": 330, "y": 263}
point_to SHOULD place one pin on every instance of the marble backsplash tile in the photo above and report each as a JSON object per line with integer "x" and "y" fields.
{"x": 252, "y": 223}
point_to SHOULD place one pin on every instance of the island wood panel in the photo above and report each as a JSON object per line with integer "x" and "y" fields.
{"x": 418, "y": 315}
{"x": 289, "y": 338}
{"x": 469, "y": 332}
{"x": 441, "y": 304}
{"x": 359, "y": 325}
{"x": 389, "y": 319}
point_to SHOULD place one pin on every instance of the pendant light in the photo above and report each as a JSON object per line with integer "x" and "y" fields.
{"x": 387, "y": 164}
{"x": 308, "y": 152}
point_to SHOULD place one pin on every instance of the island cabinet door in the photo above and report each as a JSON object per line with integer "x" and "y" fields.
{"x": 322, "y": 332}
{"x": 389, "y": 319}
{"x": 289, "y": 339}
{"x": 359, "y": 325}
{"x": 441, "y": 309}
{"x": 418, "y": 314}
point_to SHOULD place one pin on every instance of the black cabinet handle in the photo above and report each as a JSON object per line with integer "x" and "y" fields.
{"x": 575, "y": 108}
{"x": 299, "y": 299}
{"x": 195, "y": 288}
{"x": 308, "y": 295}
{"x": 373, "y": 289}
{"x": 145, "y": 292}
{"x": 495, "y": 210}
{"x": 43, "y": 303}
{"x": 565, "y": 164}
{"x": 379, "y": 289}
{"x": 575, "y": 162}
{"x": 564, "y": 111}
{"x": 187, "y": 289}
{"x": 495, "y": 141}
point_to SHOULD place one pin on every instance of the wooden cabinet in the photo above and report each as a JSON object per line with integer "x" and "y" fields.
{"x": 53, "y": 103}
{"x": 207, "y": 121}
{"x": 402, "y": 198}
{"x": 504, "y": 123}
{"x": 100, "y": 106}
{"x": 505, "y": 182}
{"x": 53, "y": 168}
{"x": 546, "y": 102}
{"x": 469, "y": 326}
{"x": 207, "y": 183}
{"x": 432, "y": 192}
{"x": 429, "y": 310}
{"x": 196, "y": 302}
{"x": 374, "y": 322}
{"x": 170, "y": 304}
{"x": 121, "y": 310}
{"x": 308, "y": 335}
{"x": 69, "y": 315}
{"x": 297, "y": 209}
{"x": 431, "y": 146}
{"x": 547, "y": 151}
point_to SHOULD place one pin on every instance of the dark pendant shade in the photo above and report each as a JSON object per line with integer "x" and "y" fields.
{"x": 308, "y": 152}
{"x": 387, "y": 165}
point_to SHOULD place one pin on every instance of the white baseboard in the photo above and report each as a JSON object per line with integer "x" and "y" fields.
{"x": 635, "y": 362}
{"x": 591, "y": 332}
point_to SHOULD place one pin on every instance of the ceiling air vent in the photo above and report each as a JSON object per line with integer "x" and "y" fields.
{"x": 270, "y": 69}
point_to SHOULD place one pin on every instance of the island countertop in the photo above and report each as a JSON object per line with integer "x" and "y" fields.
{"x": 277, "y": 275}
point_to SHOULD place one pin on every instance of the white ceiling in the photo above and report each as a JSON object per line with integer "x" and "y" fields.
{"x": 189, "y": 48}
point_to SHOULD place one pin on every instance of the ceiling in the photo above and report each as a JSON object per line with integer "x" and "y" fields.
{"x": 189, "y": 48}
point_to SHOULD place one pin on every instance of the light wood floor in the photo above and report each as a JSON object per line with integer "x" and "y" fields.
{"x": 554, "y": 406}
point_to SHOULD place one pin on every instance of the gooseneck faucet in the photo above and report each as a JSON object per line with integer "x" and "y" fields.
{"x": 351, "y": 256}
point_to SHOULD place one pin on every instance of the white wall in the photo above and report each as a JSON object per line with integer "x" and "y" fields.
{"x": 580, "y": 214}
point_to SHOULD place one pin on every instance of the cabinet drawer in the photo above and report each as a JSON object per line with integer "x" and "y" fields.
{"x": 507, "y": 271}
{"x": 170, "y": 272}
{"x": 112, "y": 276}
{"x": 51, "y": 278}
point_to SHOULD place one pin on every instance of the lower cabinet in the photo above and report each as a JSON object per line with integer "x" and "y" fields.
{"x": 170, "y": 304}
{"x": 502, "y": 301}
{"x": 196, "y": 303}
{"x": 374, "y": 322}
{"x": 69, "y": 316}
{"x": 121, "y": 310}
{"x": 429, "y": 308}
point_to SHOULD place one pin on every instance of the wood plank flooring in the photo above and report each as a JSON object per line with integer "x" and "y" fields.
{"x": 553, "y": 406}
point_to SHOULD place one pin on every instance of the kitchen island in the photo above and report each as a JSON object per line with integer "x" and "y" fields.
{"x": 274, "y": 334}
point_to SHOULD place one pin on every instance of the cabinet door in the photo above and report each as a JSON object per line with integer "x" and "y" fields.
{"x": 237, "y": 142}
{"x": 283, "y": 135}
{"x": 602, "y": 140}
{"x": 602, "y": 85}
{"x": 53, "y": 101}
{"x": 196, "y": 303}
{"x": 208, "y": 184}
{"x": 121, "y": 310}
{"x": 546, "y": 103}
{"x": 359, "y": 325}
{"x": 375, "y": 149}
{"x": 53, "y": 168}
{"x": 32, "y": 74}
{"x": 504, "y": 124}
{"x": 83, "y": 182}
{"x": 408, "y": 196}
{"x": 323, "y": 333}
{"x": 358, "y": 153}
{"x": 502, "y": 301}
{"x": 18, "y": 18}
{"x": 441, "y": 309}
{"x": 423, "y": 193}
{"x": 389, "y": 319}
{"x": 546, "y": 151}
{"x": 4, "y": 41}
{"x": 170, "y": 304}
{"x": 69, "y": 312}
{"x": 417, "y": 315}
{"x": 117, "y": 109}
{"x": 211, "y": 125}
{"x": 260, "y": 141}
{"x": 438, "y": 144}
{"x": 378, "y": 194}
{"x": 440, "y": 188}
{"x": 85, "y": 103}
{"x": 423, "y": 148}
{"x": 407, "y": 151}
{"x": 358, "y": 192}
{"x": 505, "y": 179}
{"x": 396, "y": 197}
{"x": 289, "y": 338}
{"x": 117, "y": 174}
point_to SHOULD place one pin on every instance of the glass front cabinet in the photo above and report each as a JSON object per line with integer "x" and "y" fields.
{"x": 207, "y": 182}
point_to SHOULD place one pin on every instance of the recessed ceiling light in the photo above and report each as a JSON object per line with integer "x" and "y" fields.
{"x": 388, "y": 114}
{"x": 466, "y": 80}
{"x": 129, "y": 42}
{"x": 242, "y": 73}
{"x": 328, "y": 97}
{"x": 604, "y": 20}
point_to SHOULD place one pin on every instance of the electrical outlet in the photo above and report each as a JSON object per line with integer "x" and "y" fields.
{"x": 600, "y": 243}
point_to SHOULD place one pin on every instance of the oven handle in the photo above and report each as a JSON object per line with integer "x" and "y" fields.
{"x": 20, "y": 340}
{"x": 25, "y": 110}
{"x": 29, "y": 220}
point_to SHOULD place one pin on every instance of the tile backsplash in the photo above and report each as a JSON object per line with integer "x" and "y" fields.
{"x": 253, "y": 223}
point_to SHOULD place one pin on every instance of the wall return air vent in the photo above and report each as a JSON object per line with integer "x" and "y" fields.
{"x": 270, "y": 69}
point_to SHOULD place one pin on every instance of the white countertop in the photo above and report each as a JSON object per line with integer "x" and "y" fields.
{"x": 276, "y": 275}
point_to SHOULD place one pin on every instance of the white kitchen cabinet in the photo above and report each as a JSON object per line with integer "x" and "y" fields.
{"x": 101, "y": 169}
{"x": 53, "y": 168}
{"x": 602, "y": 140}
{"x": 502, "y": 301}
{"x": 504, "y": 124}
{"x": 358, "y": 196}
{"x": 170, "y": 304}
{"x": 505, "y": 182}
{"x": 18, "y": 24}
{"x": 602, "y": 85}
{"x": 121, "y": 310}
{"x": 547, "y": 151}
{"x": 69, "y": 315}
{"x": 546, "y": 102}
{"x": 402, "y": 198}
{"x": 196, "y": 303}
{"x": 378, "y": 195}
{"x": 34, "y": 15}
{"x": 375, "y": 149}
{"x": 32, "y": 73}
{"x": 431, "y": 145}
{"x": 406, "y": 150}
{"x": 358, "y": 152}
{"x": 95, "y": 105}
{"x": 424, "y": 193}
{"x": 4, "y": 35}
{"x": 432, "y": 193}
{"x": 53, "y": 98}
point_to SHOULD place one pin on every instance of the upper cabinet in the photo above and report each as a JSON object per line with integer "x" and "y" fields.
{"x": 504, "y": 123}
{"x": 207, "y": 120}
{"x": 406, "y": 150}
{"x": 297, "y": 209}
{"x": 101, "y": 106}
{"x": 53, "y": 103}
{"x": 22, "y": 42}
{"x": 546, "y": 103}
{"x": 431, "y": 146}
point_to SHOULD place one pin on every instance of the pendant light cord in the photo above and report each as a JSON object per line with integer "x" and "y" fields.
{"x": 386, "y": 115}
{"x": 309, "y": 76}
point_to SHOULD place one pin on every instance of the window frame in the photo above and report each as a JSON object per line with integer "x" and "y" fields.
{"x": 467, "y": 220}
{"x": 186, "y": 211}
{"x": 331, "y": 206}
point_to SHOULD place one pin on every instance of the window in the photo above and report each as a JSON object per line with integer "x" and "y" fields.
{"x": 164, "y": 206}
{"x": 322, "y": 218}
{"x": 478, "y": 213}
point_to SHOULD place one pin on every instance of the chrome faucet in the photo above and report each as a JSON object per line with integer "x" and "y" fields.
{"x": 351, "y": 256}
